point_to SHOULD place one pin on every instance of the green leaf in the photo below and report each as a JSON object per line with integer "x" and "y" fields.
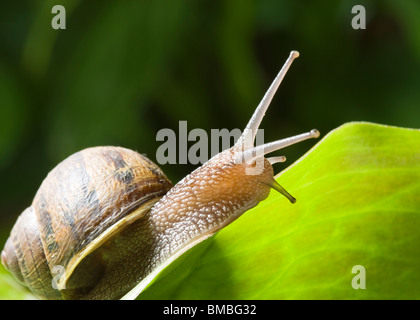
{"x": 358, "y": 203}
{"x": 10, "y": 289}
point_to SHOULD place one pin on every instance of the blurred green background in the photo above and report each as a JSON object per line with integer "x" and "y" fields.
{"x": 123, "y": 70}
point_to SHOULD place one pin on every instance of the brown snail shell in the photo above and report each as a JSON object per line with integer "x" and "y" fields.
{"x": 82, "y": 204}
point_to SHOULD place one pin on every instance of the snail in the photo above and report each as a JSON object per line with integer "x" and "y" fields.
{"x": 111, "y": 219}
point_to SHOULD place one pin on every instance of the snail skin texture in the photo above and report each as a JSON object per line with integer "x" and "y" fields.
{"x": 111, "y": 219}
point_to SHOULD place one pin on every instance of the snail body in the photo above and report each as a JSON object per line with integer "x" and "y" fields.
{"x": 112, "y": 219}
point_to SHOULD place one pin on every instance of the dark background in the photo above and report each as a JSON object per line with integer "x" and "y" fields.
{"x": 123, "y": 70}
